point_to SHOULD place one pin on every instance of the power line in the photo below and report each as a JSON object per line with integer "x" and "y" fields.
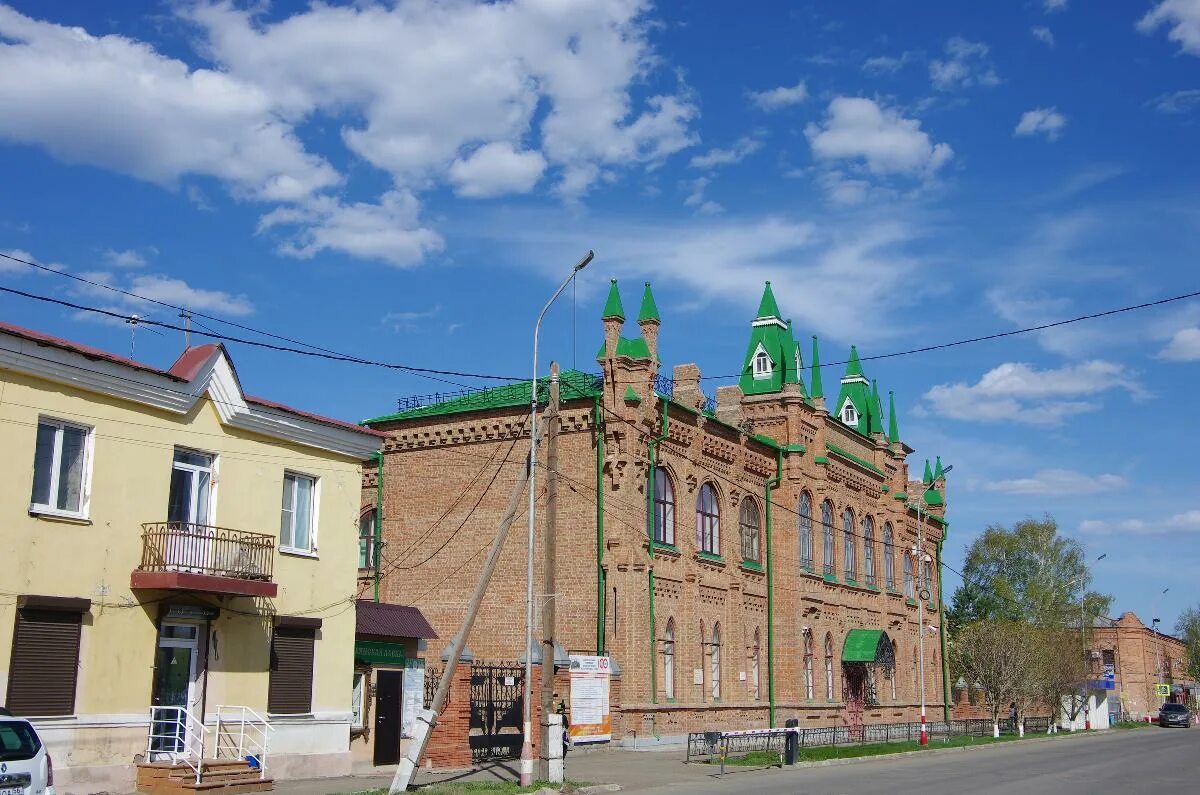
{"x": 423, "y": 371}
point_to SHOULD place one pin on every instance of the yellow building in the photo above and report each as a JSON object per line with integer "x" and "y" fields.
{"x": 170, "y": 546}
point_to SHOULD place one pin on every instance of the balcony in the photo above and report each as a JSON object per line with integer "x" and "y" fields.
{"x": 181, "y": 556}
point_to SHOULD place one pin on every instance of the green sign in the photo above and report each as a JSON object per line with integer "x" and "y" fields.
{"x": 377, "y": 651}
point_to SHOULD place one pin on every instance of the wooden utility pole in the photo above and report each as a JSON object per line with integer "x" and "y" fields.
{"x": 427, "y": 718}
{"x": 549, "y": 592}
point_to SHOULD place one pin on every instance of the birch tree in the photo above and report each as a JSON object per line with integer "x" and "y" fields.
{"x": 1000, "y": 656}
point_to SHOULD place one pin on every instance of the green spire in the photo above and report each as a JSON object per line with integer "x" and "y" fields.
{"x": 649, "y": 310}
{"x": 928, "y": 474}
{"x": 854, "y": 366}
{"x": 612, "y": 307}
{"x": 875, "y": 425}
{"x": 893, "y": 426}
{"x": 767, "y": 307}
{"x": 817, "y": 390}
{"x": 938, "y": 472}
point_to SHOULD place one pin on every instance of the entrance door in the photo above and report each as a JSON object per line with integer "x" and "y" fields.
{"x": 188, "y": 509}
{"x": 174, "y": 686}
{"x": 389, "y": 686}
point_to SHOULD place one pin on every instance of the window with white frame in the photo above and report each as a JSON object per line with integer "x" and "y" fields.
{"x": 356, "y": 700}
{"x": 762, "y": 364}
{"x": 748, "y": 522}
{"x": 708, "y": 521}
{"x": 909, "y": 589}
{"x": 808, "y": 665}
{"x": 828, "y": 667}
{"x": 806, "y": 527}
{"x": 296, "y": 521}
{"x": 849, "y": 414}
{"x": 827, "y": 537}
{"x": 889, "y": 565}
{"x": 61, "y": 468}
{"x": 715, "y": 662}
{"x": 664, "y": 508}
{"x": 669, "y": 660}
{"x": 755, "y": 679}
{"x": 366, "y": 540}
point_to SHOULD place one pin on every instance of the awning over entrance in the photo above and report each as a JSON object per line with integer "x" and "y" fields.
{"x": 867, "y": 646}
{"x": 390, "y": 621}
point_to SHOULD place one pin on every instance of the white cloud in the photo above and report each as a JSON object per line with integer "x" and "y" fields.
{"x": 1183, "y": 101}
{"x": 1182, "y": 17}
{"x": 966, "y": 64}
{"x": 496, "y": 169}
{"x": 389, "y": 231}
{"x": 154, "y": 287}
{"x": 859, "y": 129}
{"x": 1050, "y": 6}
{"x": 402, "y": 322}
{"x": 886, "y": 64}
{"x": 1043, "y": 34}
{"x": 1057, "y": 483}
{"x": 780, "y": 97}
{"x": 844, "y": 190}
{"x": 741, "y": 149}
{"x": 127, "y": 258}
{"x": 1184, "y": 346}
{"x": 1047, "y": 121}
{"x": 1018, "y": 392}
{"x": 696, "y": 198}
{"x": 8, "y": 266}
{"x": 1185, "y": 522}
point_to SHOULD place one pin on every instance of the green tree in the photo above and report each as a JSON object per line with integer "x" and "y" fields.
{"x": 1187, "y": 629}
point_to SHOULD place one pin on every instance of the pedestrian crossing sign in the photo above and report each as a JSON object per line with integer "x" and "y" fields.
{"x": 1162, "y": 689}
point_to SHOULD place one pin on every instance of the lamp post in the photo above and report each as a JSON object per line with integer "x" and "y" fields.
{"x": 526, "y": 768}
{"x": 1087, "y": 699}
{"x": 920, "y": 557}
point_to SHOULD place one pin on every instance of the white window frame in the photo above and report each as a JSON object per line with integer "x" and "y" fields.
{"x": 85, "y": 478}
{"x": 357, "y": 690}
{"x": 316, "y": 506}
{"x": 762, "y": 371}
{"x": 849, "y": 414}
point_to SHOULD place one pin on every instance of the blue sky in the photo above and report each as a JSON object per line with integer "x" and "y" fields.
{"x": 409, "y": 182}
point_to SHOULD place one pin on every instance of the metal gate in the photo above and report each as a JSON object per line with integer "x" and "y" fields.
{"x": 497, "y": 711}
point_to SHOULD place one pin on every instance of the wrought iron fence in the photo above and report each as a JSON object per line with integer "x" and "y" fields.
{"x": 204, "y": 549}
{"x": 710, "y": 746}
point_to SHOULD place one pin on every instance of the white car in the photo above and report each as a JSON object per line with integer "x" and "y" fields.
{"x": 25, "y": 765}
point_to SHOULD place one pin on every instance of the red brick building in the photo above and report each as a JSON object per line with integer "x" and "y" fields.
{"x": 743, "y": 560}
{"x": 1139, "y": 657}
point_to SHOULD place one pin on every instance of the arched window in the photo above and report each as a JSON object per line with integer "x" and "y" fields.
{"x": 927, "y": 577}
{"x": 366, "y": 539}
{"x": 895, "y": 656}
{"x": 703, "y": 656}
{"x": 715, "y": 661}
{"x": 808, "y": 664}
{"x": 755, "y": 682}
{"x": 848, "y": 556}
{"x": 827, "y": 536}
{"x": 869, "y": 550}
{"x": 828, "y": 667}
{"x": 664, "y": 507}
{"x": 915, "y": 670}
{"x": 708, "y": 520}
{"x": 909, "y": 588}
{"x": 889, "y": 562}
{"x": 806, "y": 540}
{"x": 762, "y": 364}
{"x": 669, "y": 659}
{"x": 748, "y": 522}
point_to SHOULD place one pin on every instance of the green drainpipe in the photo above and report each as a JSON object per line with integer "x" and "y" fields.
{"x": 770, "y": 484}
{"x": 378, "y": 519}
{"x": 652, "y": 451}
{"x": 942, "y": 630}
{"x": 600, "y": 583}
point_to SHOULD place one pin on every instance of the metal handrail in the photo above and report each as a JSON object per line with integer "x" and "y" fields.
{"x": 183, "y": 739}
{"x": 207, "y": 549}
{"x": 248, "y": 745}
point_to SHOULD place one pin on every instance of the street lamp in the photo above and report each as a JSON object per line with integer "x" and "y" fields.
{"x": 920, "y": 557}
{"x": 1158, "y": 672}
{"x": 1087, "y": 699}
{"x": 527, "y": 742}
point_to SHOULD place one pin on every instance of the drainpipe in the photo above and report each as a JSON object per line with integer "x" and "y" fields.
{"x": 942, "y": 630}
{"x": 378, "y": 519}
{"x": 601, "y": 586}
{"x": 652, "y": 451}
{"x": 767, "y": 486}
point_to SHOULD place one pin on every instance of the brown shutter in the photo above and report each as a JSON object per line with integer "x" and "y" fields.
{"x": 45, "y": 663}
{"x": 290, "y": 689}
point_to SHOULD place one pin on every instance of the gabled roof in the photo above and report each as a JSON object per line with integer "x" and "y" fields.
{"x": 203, "y": 371}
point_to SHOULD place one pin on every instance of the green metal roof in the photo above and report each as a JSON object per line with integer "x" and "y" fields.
{"x": 816, "y": 371}
{"x": 573, "y": 384}
{"x": 631, "y": 396}
{"x": 612, "y": 307}
{"x": 862, "y": 645}
{"x": 933, "y": 497}
{"x": 649, "y": 310}
{"x": 774, "y": 337}
{"x": 767, "y": 306}
{"x": 893, "y": 425}
{"x": 635, "y": 348}
{"x": 938, "y": 472}
{"x": 862, "y": 462}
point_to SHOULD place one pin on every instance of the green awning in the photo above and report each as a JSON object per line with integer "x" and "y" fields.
{"x": 862, "y": 645}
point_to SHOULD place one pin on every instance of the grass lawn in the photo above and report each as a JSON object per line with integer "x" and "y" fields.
{"x": 819, "y": 753}
{"x": 480, "y": 788}
{"x": 1131, "y": 724}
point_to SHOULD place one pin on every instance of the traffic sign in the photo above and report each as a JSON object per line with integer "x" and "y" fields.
{"x": 1162, "y": 689}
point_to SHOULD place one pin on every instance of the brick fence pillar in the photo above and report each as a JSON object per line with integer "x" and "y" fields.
{"x": 449, "y": 746}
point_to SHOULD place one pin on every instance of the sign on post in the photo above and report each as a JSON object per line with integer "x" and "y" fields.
{"x": 590, "y": 719}
{"x": 1162, "y": 689}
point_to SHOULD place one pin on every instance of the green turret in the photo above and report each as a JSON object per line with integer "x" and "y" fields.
{"x": 772, "y": 357}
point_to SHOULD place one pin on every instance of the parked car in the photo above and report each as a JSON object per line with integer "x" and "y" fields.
{"x": 25, "y": 764}
{"x": 1168, "y": 715}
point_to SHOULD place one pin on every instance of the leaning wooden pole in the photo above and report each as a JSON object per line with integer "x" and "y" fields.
{"x": 427, "y": 718}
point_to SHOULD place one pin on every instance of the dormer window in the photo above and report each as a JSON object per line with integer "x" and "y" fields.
{"x": 849, "y": 414}
{"x": 762, "y": 364}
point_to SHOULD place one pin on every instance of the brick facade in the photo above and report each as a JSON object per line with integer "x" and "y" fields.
{"x": 447, "y": 477}
{"x": 1141, "y": 658}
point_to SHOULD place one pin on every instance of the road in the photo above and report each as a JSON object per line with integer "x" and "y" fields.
{"x": 1139, "y": 760}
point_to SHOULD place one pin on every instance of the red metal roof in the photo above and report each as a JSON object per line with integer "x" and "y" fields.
{"x": 83, "y": 350}
{"x": 394, "y": 621}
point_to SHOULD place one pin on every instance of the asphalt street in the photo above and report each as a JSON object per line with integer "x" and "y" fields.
{"x": 1140, "y": 760}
